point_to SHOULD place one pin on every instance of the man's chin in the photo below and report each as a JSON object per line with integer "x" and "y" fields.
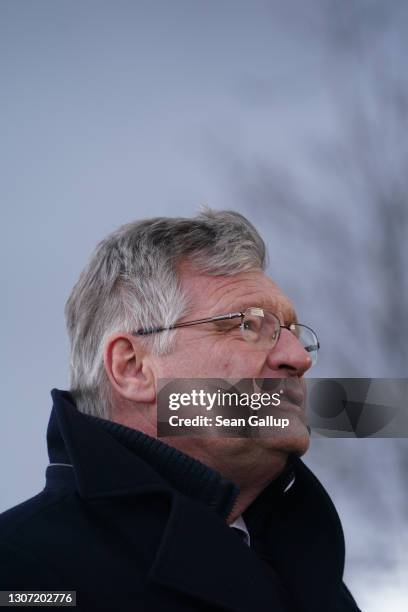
{"x": 294, "y": 442}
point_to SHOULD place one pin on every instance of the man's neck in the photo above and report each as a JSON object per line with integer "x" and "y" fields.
{"x": 250, "y": 489}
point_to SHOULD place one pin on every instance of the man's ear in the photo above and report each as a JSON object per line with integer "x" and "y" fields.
{"x": 127, "y": 368}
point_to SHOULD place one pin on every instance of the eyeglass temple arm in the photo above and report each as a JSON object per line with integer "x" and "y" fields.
{"x": 154, "y": 330}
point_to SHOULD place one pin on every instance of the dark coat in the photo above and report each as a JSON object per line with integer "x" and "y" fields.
{"x": 124, "y": 537}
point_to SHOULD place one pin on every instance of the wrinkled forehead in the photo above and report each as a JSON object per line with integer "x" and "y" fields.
{"x": 214, "y": 295}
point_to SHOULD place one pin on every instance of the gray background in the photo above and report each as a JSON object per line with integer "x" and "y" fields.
{"x": 293, "y": 113}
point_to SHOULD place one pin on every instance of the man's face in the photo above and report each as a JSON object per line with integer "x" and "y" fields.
{"x": 210, "y": 351}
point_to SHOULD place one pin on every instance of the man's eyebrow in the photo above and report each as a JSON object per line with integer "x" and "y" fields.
{"x": 288, "y": 312}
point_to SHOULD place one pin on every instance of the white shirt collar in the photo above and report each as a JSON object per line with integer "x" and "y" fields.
{"x": 239, "y": 524}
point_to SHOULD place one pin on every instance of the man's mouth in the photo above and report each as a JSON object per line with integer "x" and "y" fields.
{"x": 291, "y": 390}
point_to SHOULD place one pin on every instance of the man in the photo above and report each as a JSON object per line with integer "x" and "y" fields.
{"x": 131, "y": 522}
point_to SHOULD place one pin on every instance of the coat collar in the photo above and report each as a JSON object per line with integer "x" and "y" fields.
{"x": 298, "y": 534}
{"x": 226, "y": 572}
{"x": 134, "y": 459}
{"x": 301, "y": 536}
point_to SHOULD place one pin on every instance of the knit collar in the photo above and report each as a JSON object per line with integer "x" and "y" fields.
{"x": 186, "y": 474}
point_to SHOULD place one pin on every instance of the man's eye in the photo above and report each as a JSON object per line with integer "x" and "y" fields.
{"x": 251, "y": 325}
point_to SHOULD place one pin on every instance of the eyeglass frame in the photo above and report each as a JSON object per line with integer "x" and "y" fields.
{"x": 226, "y": 317}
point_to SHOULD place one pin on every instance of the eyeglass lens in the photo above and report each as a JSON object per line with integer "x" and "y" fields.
{"x": 261, "y": 327}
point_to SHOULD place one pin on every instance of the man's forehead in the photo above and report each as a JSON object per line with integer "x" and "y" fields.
{"x": 222, "y": 294}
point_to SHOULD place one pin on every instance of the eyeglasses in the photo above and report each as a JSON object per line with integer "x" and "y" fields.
{"x": 257, "y": 326}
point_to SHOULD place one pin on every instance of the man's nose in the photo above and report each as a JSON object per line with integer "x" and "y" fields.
{"x": 289, "y": 354}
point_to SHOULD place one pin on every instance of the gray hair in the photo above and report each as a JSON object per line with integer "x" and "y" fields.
{"x": 131, "y": 282}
